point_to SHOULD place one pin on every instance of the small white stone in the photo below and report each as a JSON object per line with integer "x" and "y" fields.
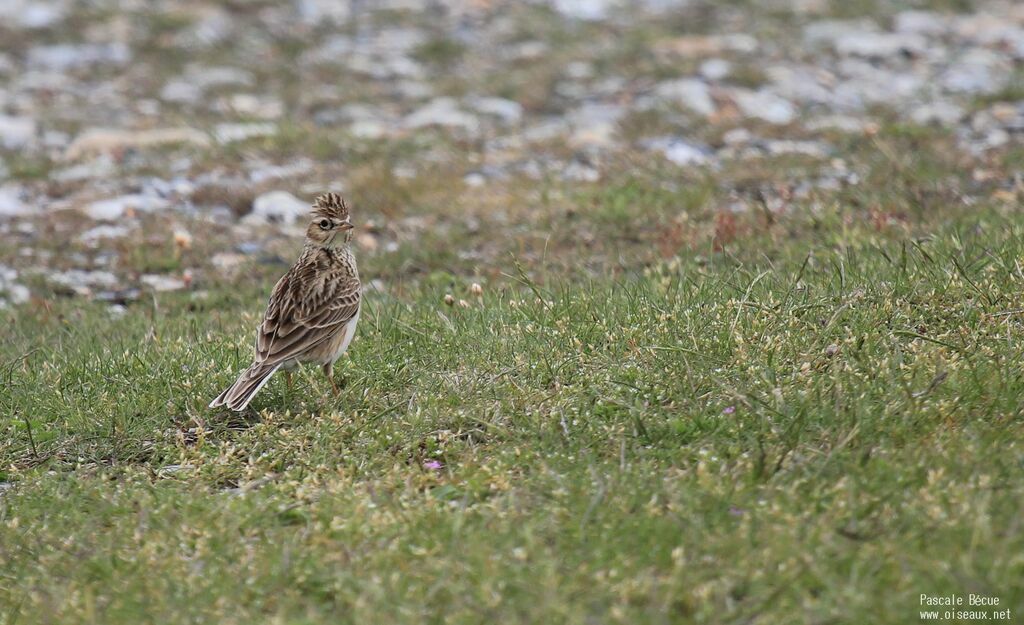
{"x": 765, "y": 105}
{"x": 248, "y": 104}
{"x": 82, "y": 281}
{"x": 442, "y": 112}
{"x": 96, "y": 168}
{"x": 114, "y": 208}
{"x": 838, "y": 123}
{"x": 279, "y": 207}
{"x": 587, "y": 10}
{"x": 580, "y": 172}
{"x": 688, "y": 92}
{"x": 679, "y": 151}
{"x": 270, "y": 172}
{"x": 879, "y": 45}
{"x": 595, "y": 124}
{"x": 230, "y": 133}
{"x": 368, "y": 129}
{"x": 715, "y": 69}
{"x": 940, "y": 112}
{"x": 97, "y": 233}
{"x": 815, "y": 149}
{"x": 181, "y": 91}
{"x": 11, "y": 204}
{"x": 509, "y": 111}
{"x": 16, "y": 132}
{"x": 159, "y": 282}
{"x": 828, "y": 31}
{"x": 10, "y": 290}
{"x": 978, "y": 71}
{"x": 579, "y": 70}
{"x": 18, "y": 293}
{"x": 737, "y": 137}
{"x": 34, "y": 15}
{"x": 474, "y": 179}
{"x": 323, "y": 11}
{"x": 921, "y": 22}
{"x": 226, "y": 262}
{"x": 64, "y": 56}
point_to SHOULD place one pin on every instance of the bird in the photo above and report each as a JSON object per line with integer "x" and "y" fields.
{"x": 313, "y": 309}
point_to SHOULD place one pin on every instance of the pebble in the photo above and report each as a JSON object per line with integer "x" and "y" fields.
{"x": 82, "y": 282}
{"x": 508, "y": 111}
{"x": 97, "y": 168}
{"x": 765, "y": 106}
{"x": 679, "y": 151}
{"x": 588, "y": 10}
{"x": 715, "y": 69}
{"x": 227, "y": 262}
{"x": 595, "y": 124}
{"x": 840, "y": 123}
{"x": 828, "y": 31}
{"x": 708, "y": 45}
{"x": 231, "y": 133}
{"x": 815, "y": 149}
{"x": 880, "y": 45}
{"x": 64, "y": 56}
{"x": 921, "y": 23}
{"x": 251, "y": 105}
{"x": 278, "y": 207}
{"x": 11, "y": 203}
{"x": 114, "y": 208}
{"x": 474, "y": 179}
{"x": 687, "y": 92}
{"x": 443, "y": 112}
{"x": 262, "y": 173}
{"x": 978, "y": 71}
{"x": 162, "y": 283}
{"x": 32, "y": 15}
{"x": 323, "y": 11}
{"x": 10, "y": 291}
{"x": 16, "y": 131}
{"x": 369, "y": 129}
{"x": 97, "y": 233}
{"x": 580, "y": 172}
{"x": 941, "y": 113}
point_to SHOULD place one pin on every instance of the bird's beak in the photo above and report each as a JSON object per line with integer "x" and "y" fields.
{"x": 346, "y": 225}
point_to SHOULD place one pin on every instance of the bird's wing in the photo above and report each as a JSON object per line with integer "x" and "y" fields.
{"x": 308, "y": 305}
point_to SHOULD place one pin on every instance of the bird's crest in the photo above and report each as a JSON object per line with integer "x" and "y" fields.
{"x": 330, "y": 205}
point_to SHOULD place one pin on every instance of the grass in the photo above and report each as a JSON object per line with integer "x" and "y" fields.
{"x": 805, "y": 432}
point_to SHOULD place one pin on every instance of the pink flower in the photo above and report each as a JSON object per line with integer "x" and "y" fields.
{"x": 729, "y": 410}
{"x": 432, "y": 464}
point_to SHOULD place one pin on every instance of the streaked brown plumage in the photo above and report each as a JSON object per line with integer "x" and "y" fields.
{"x": 313, "y": 308}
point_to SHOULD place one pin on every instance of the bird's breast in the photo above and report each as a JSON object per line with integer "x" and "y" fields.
{"x": 332, "y": 349}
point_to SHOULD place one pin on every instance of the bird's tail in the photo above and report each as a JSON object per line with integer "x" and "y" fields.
{"x": 238, "y": 395}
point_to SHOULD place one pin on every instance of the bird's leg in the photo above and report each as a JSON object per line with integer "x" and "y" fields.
{"x": 288, "y": 380}
{"x": 329, "y": 372}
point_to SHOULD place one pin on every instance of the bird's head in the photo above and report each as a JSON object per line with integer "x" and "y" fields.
{"x": 330, "y": 224}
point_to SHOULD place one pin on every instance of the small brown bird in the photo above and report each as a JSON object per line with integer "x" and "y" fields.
{"x": 313, "y": 310}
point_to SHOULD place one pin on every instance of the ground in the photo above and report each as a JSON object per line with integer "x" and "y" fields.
{"x": 728, "y": 362}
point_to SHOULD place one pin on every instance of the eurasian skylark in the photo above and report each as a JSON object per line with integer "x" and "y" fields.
{"x": 313, "y": 309}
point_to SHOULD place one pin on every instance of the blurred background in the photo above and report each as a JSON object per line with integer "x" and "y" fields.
{"x": 170, "y": 145}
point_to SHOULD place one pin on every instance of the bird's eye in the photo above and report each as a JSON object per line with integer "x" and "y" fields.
{"x": 325, "y": 224}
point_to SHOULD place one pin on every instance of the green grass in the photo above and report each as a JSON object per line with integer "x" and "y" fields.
{"x": 795, "y": 433}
